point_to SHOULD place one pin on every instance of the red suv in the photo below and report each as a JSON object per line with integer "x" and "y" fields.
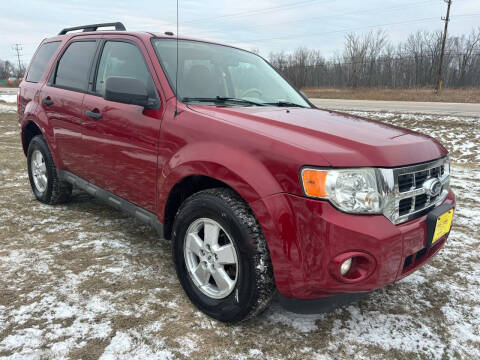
{"x": 260, "y": 192}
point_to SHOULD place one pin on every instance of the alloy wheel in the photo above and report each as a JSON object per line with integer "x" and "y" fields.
{"x": 39, "y": 171}
{"x": 211, "y": 258}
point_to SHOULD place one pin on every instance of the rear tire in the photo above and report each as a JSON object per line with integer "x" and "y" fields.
{"x": 248, "y": 266}
{"x": 42, "y": 173}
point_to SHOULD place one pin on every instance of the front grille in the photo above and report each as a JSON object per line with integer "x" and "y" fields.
{"x": 411, "y": 199}
{"x": 405, "y": 182}
{"x": 404, "y": 206}
{"x": 421, "y": 201}
{"x": 420, "y": 178}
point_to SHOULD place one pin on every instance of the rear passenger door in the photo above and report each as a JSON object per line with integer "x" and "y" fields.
{"x": 62, "y": 99}
{"x": 123, "y": 138}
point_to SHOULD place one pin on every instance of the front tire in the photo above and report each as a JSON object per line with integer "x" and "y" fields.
{"x": 42, "y": 173}
{"x": 221, "y": 256}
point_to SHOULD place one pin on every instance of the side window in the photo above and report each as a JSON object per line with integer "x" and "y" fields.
{"x": 122, "y": 59}
{"x": 74, "y": 65}
{"x": 40, "y": 61}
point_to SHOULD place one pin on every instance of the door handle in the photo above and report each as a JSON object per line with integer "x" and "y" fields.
{"x": 93, "y": 114}
{"x": 47, "y": 101}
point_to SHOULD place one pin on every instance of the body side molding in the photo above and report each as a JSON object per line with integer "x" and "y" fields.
{"x": 113, "y": 200}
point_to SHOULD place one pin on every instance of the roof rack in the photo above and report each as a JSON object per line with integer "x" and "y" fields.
{"x": 94, "y": 27}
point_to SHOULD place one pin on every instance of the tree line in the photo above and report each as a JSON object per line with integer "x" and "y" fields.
{"x": 371, "y": 60}
{"x": 8, "y": 69}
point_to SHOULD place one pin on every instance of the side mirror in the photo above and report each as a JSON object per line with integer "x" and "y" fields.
{"x": 129, "y": 90}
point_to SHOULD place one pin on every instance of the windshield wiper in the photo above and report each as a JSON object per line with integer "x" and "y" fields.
{"x": 282, "y": 103}
{"x": 221, "y": 99}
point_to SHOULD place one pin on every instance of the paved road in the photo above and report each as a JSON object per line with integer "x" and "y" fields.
{"x": 8, "y": 91}
{"x": 454, "y": 109}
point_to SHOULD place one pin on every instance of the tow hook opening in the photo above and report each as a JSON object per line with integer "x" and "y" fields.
{"x": 352, "y": 267}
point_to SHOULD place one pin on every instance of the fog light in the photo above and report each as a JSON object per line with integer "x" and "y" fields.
{"x": 352, "y": 266}
{"x": 345, "y": 267}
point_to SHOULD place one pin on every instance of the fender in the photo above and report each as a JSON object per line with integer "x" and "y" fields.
{"x": 39, "y": 118}
{"x": 27, "y": 114}
{"x": 217, "y": 161}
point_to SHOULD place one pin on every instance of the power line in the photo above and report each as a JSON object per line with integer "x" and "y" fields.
{"x": 255, "y": 12}
{"x": 429, "y": 19}
{"x": 366, "y": 11}
{"x": 375, "y": 10}
{"x": 277, "y": 8}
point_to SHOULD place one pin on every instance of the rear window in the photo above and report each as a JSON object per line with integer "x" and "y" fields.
{"x": 74, "y": 65}
{"x": 41, "y": 60}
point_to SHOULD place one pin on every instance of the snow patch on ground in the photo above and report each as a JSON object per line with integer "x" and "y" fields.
{"x": 7, "y": 108}
{"x": 9, "y": 98}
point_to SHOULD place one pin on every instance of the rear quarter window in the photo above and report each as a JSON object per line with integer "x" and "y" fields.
{"x": 41, "y": 60}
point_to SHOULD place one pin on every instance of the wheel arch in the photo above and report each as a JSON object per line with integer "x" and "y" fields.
{"x": 29, "y": 131}
{"x": 183, "y": 189}
{"x": 204, "y": 165}
{"x": 37, "y": 124}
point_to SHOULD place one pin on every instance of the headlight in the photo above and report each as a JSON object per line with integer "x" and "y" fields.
{"x": 446, "y": 166}
{"x": 350, "y": 190}
{"x": 377, "y": 190}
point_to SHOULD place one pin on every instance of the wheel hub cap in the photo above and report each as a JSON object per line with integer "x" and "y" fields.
{"x": 211, "y": 258}
{"x": 39, "y": 171}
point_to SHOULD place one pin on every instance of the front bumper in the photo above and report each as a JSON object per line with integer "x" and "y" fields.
{"x": 304, "y": 235}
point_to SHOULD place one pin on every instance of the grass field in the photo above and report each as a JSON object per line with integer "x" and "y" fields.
{"x": 469, "y": 95}
{"x": 83, "y": 281}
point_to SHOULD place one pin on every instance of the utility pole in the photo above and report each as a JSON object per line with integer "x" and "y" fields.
{"x": 18, "y": 48}
{"x": 438, "y": 81}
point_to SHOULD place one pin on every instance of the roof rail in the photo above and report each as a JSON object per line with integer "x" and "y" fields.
{"x": 94, "y": 27}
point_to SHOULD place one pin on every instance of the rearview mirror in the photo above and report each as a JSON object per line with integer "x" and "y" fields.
{"x": 129, "y": 90}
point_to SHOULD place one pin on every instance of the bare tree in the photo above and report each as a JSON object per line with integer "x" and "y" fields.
{"x": 466, "y": 49}
{"x": 7, "y": 69}
{"x": 371, "y": 60}
{"x": 360, "y": 54}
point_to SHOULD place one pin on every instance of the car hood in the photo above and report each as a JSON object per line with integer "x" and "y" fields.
{"x": 339, "y": 139}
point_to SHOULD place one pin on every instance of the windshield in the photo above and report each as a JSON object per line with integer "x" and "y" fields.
{"x": 212, "y": 73}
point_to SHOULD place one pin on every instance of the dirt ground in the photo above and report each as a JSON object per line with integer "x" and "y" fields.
{"x": 83, "y": 281}
{"x": 466, "y": 95}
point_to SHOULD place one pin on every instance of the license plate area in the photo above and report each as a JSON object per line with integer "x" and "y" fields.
{"x": 439, "y": 223}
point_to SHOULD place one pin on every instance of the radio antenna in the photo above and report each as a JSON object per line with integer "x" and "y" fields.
{"x": 176, "y": 73}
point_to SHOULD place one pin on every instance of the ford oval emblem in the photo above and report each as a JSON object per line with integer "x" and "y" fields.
{"x": 432, "y": 187}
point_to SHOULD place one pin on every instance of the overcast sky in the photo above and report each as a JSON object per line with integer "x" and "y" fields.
{"x": 268, "y": 25}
